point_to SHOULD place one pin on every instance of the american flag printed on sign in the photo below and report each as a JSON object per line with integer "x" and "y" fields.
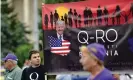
{"x": 59, "y": 46}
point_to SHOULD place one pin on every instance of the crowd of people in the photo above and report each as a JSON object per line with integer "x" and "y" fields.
{"x": 74, "y": 19}
{"x": 91, "y": 58}
{"x": 32, "y": 70}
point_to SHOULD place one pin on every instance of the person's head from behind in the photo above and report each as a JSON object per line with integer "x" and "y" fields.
{"x": 34, "y": 57}
{"x": 92, "y": 56}
{"x": 60, "y": 27}
{"x": 10, "y": 61}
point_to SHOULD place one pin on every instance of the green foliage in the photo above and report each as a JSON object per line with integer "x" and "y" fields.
{"x": 13, "y": 33}
{"x": 22, "y": 52}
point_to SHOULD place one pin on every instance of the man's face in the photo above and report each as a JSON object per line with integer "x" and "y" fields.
{"x": 60, "y": 28}
{"x": 35, "y": 59}
{"x": 86, "y": 60}
{"x": 7, "y": 64}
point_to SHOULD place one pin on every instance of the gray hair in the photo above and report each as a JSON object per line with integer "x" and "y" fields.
{"x": 13, "y": 61}
{"x": 60, "y": 22}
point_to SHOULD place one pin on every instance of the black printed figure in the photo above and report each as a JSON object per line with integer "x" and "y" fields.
{"x": 51, "y": 19}
{"x": 70, "y": 16}
{"x": 113, "y": 19}
{"x": 79, "y": 20}
{"x": 75, "y": 17}
{"x": 90, "y": 16}
{"x": 106, "y": 13}
{"x": 117, "y": 13}
{"x": 131, "y": 9}
{"x": 46, "y": 20}
{"x": 65, "y": 18}
{"x": 86, "y": 17}
{"x": 56, "y": 17}
{"x": 62, "y": 18}
{"x": 125, "y": 16}
{"x": 99, "y": 15}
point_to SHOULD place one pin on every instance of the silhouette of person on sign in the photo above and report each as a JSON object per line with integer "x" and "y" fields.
{"x": 113, "y": 19}
{"x": 99, "y": 15}
{"x": 79, "y": 20}
{"x": 70, "y": 16}
{"x": 117, "y": 13}
{"x": 56, "y": 17}
{"x": 46, "y": 21}
{"x": 75, "y": 17}
{"x": 51, "y": 19}
{"x": 86, "y": 17}
{"x": 90, "y": 16}
{"x": 131, "y": 9}
{"x": 106, "y": 13}
{"x": 65, "y": 18}
{"x": 62, "y": 18}
{"x": 125, "y": 16}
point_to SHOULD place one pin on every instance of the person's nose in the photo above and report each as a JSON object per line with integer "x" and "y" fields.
{"x": 38, "y": 58}
{"x": 59, "y": 28}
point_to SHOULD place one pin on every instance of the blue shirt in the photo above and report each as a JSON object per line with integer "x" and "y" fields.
{"x": 104, "y": 75}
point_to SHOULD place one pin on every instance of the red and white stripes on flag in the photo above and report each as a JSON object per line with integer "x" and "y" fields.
{"x": 62, "y": 50}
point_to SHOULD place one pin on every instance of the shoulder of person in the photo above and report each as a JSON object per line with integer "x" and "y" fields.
{"x": 25, "y": 70}
{"x": 108, "y": 75}
{"x": 18, "y": 69}
{"x": 53, "y": 34}
{"x": 42, "y": 66}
